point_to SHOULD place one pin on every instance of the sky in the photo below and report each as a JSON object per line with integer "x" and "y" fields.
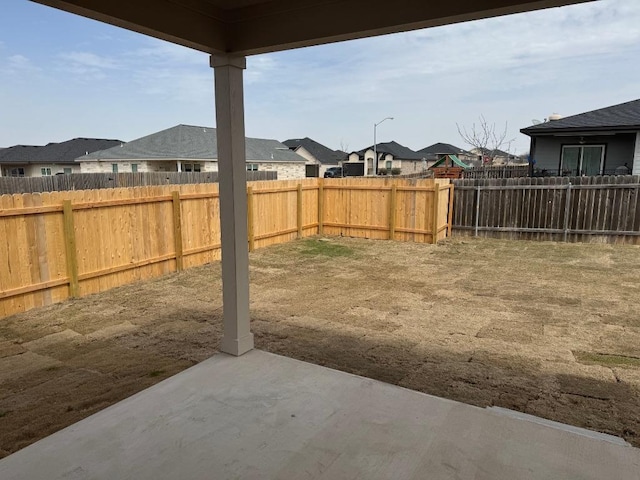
{"x": 63, "y": 76}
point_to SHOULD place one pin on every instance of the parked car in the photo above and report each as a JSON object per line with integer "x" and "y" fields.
{"x": 333, "y": 172}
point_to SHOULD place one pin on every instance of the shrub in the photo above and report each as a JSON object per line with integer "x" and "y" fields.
{"x": 395, "y": 171}
{"x": 382, "y": 171}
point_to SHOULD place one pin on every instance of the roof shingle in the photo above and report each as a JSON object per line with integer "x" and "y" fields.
{"x": 442, "y": 149}
{"x": 63, "y": 152}
{"x": 320, "y": 152}
{"x": 395, "y": 149}
{"x": 616, "y": 117}
{"x": 188, "y": 142}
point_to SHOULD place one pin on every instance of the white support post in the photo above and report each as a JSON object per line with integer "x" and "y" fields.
{"x": 179, "y": 165}
{"x": 237, "y": 337}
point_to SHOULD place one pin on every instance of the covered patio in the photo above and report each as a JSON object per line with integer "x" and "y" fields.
{"x": 267, "y": 416}
{"x": 264, "y": 416}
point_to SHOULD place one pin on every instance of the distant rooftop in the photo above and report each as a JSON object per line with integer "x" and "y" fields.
{"x": 442, "y": 149}
{"x": 624, "y": 116}
{"x": 190, "y": 142}
{"x": 63, "y": 152}
{"x": 395, "y": 149}
{"x": 320, "y": 152}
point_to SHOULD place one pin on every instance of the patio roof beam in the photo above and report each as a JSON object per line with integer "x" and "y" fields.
{"x": 191, "y": 23}
{"x": 248, "y": 27}
{"x": 286, "y": 24}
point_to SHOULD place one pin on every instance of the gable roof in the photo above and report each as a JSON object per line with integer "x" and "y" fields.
{"x": 320, "y": 152}
{"x": 624, "y": 116}
{"x": 395, "y": 149}
{"x": 189, "y": 142}
{"x": 442, "y": 149}
{"x": 63, "y": 152}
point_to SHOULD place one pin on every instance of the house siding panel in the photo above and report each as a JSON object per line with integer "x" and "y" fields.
{"x": 619, "y": 150}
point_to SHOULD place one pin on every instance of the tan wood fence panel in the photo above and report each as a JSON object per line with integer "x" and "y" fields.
{"x": 61, "y": 244}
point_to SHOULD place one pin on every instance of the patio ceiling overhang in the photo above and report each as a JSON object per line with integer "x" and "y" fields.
{"x": 248, "y": 27}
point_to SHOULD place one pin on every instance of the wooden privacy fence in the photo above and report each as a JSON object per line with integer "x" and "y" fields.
{"x": 577, "y": 209}
{"x": 68, "y": 244}
{"x": 497, "y": 171}
{"x": 91, "y": 181}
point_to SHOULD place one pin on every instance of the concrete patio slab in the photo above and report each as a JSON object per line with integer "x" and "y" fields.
{"x": 262, "y": 416}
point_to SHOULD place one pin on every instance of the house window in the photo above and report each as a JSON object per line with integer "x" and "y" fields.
{"x": 582, "y": 159}
{"x": 45, "y": 172}
{"x": 67, "y": 170}
{"x": 252, "y": 167}
{"x": 134, "y": 167}
{"x": 191, "y": 167}
{"x": 16, "y": 172}
{"x": 114, "y": 168}
{"x": 388, "y": 164}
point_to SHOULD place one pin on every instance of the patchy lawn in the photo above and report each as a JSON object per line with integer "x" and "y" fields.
{"x": 544, "y": 328}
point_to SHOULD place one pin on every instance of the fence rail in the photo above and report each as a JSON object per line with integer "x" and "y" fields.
{"x": 61, "y": 244}
{"x": 91, "y": 181}
{"x": 602, "y": 209}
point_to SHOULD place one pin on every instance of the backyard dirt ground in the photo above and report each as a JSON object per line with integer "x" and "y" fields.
{"x": 549, "y": 329}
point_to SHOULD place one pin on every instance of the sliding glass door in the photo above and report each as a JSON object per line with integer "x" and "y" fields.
{"x": 582, "y": 159}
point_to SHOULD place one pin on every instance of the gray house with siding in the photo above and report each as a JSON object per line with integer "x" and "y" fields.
{"x": 188, "y": 148}
{"x": 600, "y": 142}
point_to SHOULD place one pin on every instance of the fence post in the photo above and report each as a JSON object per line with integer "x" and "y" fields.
{"x": 177, "y": 229}
{"x": 299, "y": 210}
{"x": 450, "y": 216}
{"x": 567, "y": 206}
{"x": 321, "y": 206}
{"x": 436, "y": 199}
{"x": 250, "y": 222}
{"x": 70, "y": 248}
{"x": 392, "y": 212}
{"x": 477, "y": 209}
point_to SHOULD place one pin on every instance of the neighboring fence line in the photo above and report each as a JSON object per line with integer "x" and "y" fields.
{"x": 497, "y": 171}
{"x": 61, "y": 244}
{"x": 576, "y": 209}
{"x": 91, "y": 181}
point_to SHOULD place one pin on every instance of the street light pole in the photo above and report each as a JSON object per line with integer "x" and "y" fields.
{"x": 374, "y": 167}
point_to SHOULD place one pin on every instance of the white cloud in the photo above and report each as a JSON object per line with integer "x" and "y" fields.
{"x": 19, "y": 65}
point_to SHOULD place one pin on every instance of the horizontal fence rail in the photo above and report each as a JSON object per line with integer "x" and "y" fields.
{"x": 68, "y": 244}
{"x": 603, "y": 209}
{"x": 92, "y": 181}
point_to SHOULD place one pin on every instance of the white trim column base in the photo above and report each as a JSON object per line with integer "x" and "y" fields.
{"x": 237, "y": 338}
{"x": 237, "y": 346}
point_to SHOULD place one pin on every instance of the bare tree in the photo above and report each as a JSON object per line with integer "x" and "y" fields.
{"x": 485, "y": 138}
{"x": 344, "y": 146}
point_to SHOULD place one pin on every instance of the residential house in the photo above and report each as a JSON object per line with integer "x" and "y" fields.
{"x": 599, "y": 142}
{"x": 50, "y": 159}
{"x": 187, "y": 148}
{"x": 318, "y": 157}
{"x": 438, "y": 151}
{"x": 390, "y": 155}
